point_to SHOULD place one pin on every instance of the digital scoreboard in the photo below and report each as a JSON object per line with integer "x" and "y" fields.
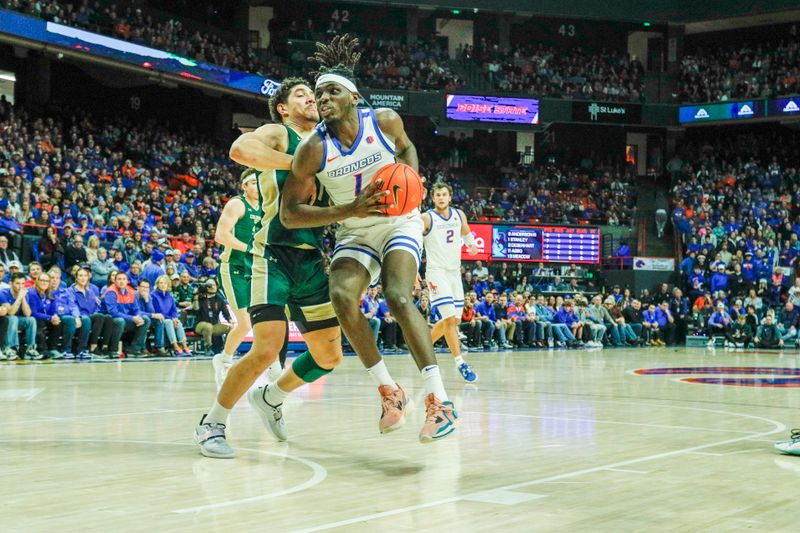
{"x": 548, "y": 244}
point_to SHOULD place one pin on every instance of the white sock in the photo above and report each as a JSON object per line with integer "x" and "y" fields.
{"x": 433, "y": 382}
{"x": 227, "y": 357}
{"x": 458, "y": 360}
{"x": 380, "y": 374}
{"x": 217, "y": 414}
{"x": 274, "y": 395}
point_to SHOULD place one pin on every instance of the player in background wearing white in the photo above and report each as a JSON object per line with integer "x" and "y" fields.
{"x": 236, "y": 229}
{"x": 350, "y": 146}
{"x": 445, "y": 226}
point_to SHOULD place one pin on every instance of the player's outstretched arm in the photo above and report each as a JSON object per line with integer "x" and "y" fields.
{"x": 262, "y": 149}
{"x": 391, "y": 125}
{"x": 231, "y": 213}
{"x": 299, "y": 186}
{"x": 466, "y": 234}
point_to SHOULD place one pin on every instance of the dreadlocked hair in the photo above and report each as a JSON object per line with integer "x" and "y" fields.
{"x": 340, "y": 56}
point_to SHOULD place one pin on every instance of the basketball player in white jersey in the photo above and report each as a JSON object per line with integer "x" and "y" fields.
{"x": 349, "y": 147}
{"x": 445, "y": 226}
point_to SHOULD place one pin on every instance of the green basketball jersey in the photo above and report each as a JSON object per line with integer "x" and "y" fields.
{"x": 271, "y": 231}
{"x": 244, "y": 230}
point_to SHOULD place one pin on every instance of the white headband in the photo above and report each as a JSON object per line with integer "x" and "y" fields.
{"x": 341, "y": 80}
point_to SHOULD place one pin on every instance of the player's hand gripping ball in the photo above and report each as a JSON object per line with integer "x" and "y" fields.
{"x": 404, "y": 185}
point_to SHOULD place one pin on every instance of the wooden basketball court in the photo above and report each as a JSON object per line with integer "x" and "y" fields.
{"x": 548, "y": 441}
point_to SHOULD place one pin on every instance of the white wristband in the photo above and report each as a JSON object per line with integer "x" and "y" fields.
{"x": 469, "y": 239}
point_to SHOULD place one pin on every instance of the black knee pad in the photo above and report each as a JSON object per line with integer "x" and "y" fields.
{"x": 266, "y": 313}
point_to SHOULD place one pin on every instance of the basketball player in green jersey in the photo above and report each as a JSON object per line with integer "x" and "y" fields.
{"x": 236, "y": 229}
{"x": 287, "y": 271}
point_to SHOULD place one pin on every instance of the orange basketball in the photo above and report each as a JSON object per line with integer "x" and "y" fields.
{"x": 404, "y": 186}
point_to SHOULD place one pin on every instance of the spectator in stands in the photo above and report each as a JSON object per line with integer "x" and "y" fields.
{"x": 10, "y": 228}
{"x": 191, "y": 267}
{"x": 119, "y": 261}
{"x": 34, "y": 269}
{"x": 14, "y": 302}
{"x": 208, "y": 304}
{"x": 49, "y": 328}
{"x": 50, "y": 248}
{"x": 94, "y": 324}
{"x": 164, "y": 303}
{"x": 119, "y": 301}
{"x": 75, "y": 253}
{"x": 101, "y": 268}
{"x": 184, "y": 294}
{"x": 480, "y": 272}
{"x": 154, "y": 269}
{"x": 6, "y": 255}
{"x": 92, "y": 246}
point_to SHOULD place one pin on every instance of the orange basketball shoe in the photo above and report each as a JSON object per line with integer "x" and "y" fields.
{"x": 440, "y": 420}
{"x": 394, "y": 403}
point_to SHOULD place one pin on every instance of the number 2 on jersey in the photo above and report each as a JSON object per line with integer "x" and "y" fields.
{"x": 450, "y": 234}
{"x": 358, "y": 183}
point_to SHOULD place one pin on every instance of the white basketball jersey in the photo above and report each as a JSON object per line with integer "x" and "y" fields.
{"x": 345, "y": 172}
{"x": 443, "y": 241}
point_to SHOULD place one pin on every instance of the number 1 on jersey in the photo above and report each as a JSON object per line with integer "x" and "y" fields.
{"x": 358, "y": 183}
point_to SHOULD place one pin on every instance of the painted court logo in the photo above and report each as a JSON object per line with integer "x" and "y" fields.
{"x": 735, "y": 376}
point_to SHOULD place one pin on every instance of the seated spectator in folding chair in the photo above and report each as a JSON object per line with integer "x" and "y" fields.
{"x": 145, "y": 305}
{"x": 635, "y": 319}
{"x": 66, "y": 309}
{"x": 651, "y": 323}
{"x": 164, "y": 303}
{"x": 14, "y": 303}
{"x": 566, "y": 315}
{"x": 49, "y": 327}
{"x": 524, "y": 325}
{"x": 119, "y": 301}
{"x": 94, "y": 324}
{"x": 389, "y": 329}
{"x": 487, "y": 319}
{"x": 470, "y": 326}
{"x": 594, "y": 321}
